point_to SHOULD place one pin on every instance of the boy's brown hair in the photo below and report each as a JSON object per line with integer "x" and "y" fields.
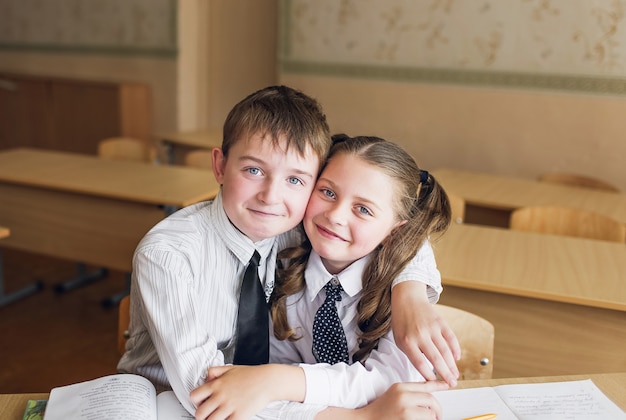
{"x": 275, "y": 111}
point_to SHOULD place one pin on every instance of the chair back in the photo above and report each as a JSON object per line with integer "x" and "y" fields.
{"x": 476, "y": 336}
{"x": 122, "y": 324}
{"x": 576, "y": 180}
{"x": 200, "y": 158}
{"x": 569, "y": 222}
{"x": 125, "y": 148}
{"x": 457, "y": 205}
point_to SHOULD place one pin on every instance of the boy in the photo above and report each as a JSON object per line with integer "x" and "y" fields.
{"x": 187, "y": 269}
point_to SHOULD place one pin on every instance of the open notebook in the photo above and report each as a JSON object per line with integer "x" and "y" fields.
{"x": 573, "y": 400}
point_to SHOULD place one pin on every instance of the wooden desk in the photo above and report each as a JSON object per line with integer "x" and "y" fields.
{"x": 12, "y": 406}
{"x": 558, "y": 304}
{"x": 612, "y": 384}
{"x": 185, "y": 140}
{"x": 82, "y": 208}
{"x": 490, "y": 198}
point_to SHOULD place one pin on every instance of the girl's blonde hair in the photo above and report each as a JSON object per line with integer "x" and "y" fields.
{"x": 419, "y": 200}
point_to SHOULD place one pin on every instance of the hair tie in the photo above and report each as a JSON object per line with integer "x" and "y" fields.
{"x": 424, "y": 177}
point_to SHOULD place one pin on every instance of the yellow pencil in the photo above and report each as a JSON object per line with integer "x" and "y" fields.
{"x": 482, "y": 417}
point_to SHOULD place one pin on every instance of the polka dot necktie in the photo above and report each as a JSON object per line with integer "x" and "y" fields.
{"x": 329, "y": 338}
{"x": 252, "y": 346}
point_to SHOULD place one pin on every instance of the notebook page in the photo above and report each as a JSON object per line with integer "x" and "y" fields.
{"x": 573, "y": 400}
{"x": 458, "y": 404}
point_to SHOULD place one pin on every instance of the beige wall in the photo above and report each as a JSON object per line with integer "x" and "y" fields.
{"x": 508, "y": 131}
{"x": 227, "y": 49}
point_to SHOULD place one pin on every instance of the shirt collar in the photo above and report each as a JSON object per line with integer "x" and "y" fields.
{"x": 238, "y": 243}
{"x": 317, "y": 276}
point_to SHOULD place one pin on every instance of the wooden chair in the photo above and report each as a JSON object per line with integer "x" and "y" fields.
{"x": 476, "y": 336}
{"x": 125, "y": 148}
{"x": 200, "y": 158}
{"x": 457, "y": 204}
{"x": 569, "y": 222}
{"x": 122, "y": 324}
{"x": 578, "y": 181}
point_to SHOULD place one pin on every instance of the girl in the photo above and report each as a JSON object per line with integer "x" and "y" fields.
{"x": 371, "y": 211}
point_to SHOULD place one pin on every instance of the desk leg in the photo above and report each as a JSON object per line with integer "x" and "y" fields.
{"x": 82, "y": 278}
{"x": 6, "y": 298}
{"x": 115, "y": 300}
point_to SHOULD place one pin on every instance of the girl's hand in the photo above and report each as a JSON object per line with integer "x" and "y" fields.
{"x": 404, "y": 400}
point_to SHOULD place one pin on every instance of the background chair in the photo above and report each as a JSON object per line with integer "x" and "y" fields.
{"x": 578, "y": 181}
{"x": 567, "y": 221}
{"x": 200, "y": 158}
{"x": 122, "y": 324}
{"x": 476, "y": 336}
{"x": 126, "y": 148}
{"x": 457, "y": 204}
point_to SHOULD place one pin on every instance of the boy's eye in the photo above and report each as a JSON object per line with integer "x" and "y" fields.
{"x": 253, "y": 171}
{"x": 294, "y": 180}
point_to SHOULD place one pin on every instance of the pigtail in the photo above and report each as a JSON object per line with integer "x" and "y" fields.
{"x": 429, "y": 213}
{"x": 289, "y": 281}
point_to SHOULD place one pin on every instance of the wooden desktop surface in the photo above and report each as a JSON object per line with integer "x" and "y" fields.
{"x": 558, "y": 304}
{"x": 506, "y": 193}
{"x": 90, "y": 175}
{"x": 86, "y": 209}
{"x": 551, "y": 267}
{"x": 612, "y": 384}
{"x": 205, "y": 139}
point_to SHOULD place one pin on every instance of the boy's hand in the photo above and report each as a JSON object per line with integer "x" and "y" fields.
{"x": 239, "y": 392}
{"x": 223, "y": 396}
{"x": 420, "y": 331}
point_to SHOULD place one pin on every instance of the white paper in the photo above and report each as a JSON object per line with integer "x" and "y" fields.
{"x": 114, "y": 397}
{"x": 572, "y": 400}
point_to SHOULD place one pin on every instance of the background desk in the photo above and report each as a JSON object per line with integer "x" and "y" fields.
{"x": 175, "y": 144}
{"x": 613, "y": 385}
{"x": 558, "y": 304}
{"x": 86, "y": 209}
{"x": 490, "y": 198}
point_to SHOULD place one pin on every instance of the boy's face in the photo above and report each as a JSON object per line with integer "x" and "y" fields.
{"x": 265, "y": 190}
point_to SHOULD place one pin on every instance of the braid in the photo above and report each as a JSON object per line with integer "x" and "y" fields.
{"x": 289, "y": 281}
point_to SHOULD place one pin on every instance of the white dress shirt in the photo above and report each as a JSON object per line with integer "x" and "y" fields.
{"x": 341, "y": 384}
{"x": 186, "y": 280}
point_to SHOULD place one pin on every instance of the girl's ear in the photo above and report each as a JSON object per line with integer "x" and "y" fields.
{"x": 219, "y": 164}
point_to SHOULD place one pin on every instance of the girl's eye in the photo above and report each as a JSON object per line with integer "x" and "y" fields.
{"x": 295, "y": 181}
{"x": 364, "y": 210}
{"x": 328, "y": 193}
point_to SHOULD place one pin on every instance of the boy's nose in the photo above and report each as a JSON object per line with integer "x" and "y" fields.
{"x": 271, "y": 193}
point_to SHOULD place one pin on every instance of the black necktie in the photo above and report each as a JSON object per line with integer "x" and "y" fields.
{"x": 252, "y": 346}
{"x": 329, "y": 339}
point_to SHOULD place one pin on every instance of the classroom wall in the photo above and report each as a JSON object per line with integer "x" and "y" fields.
{"x": 199, "y": 57}
{"x": 510, "y": 91}
{"x": 507, "y": 131}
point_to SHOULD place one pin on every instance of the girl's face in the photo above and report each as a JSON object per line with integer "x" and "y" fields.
{"x": 351, "y": 211}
